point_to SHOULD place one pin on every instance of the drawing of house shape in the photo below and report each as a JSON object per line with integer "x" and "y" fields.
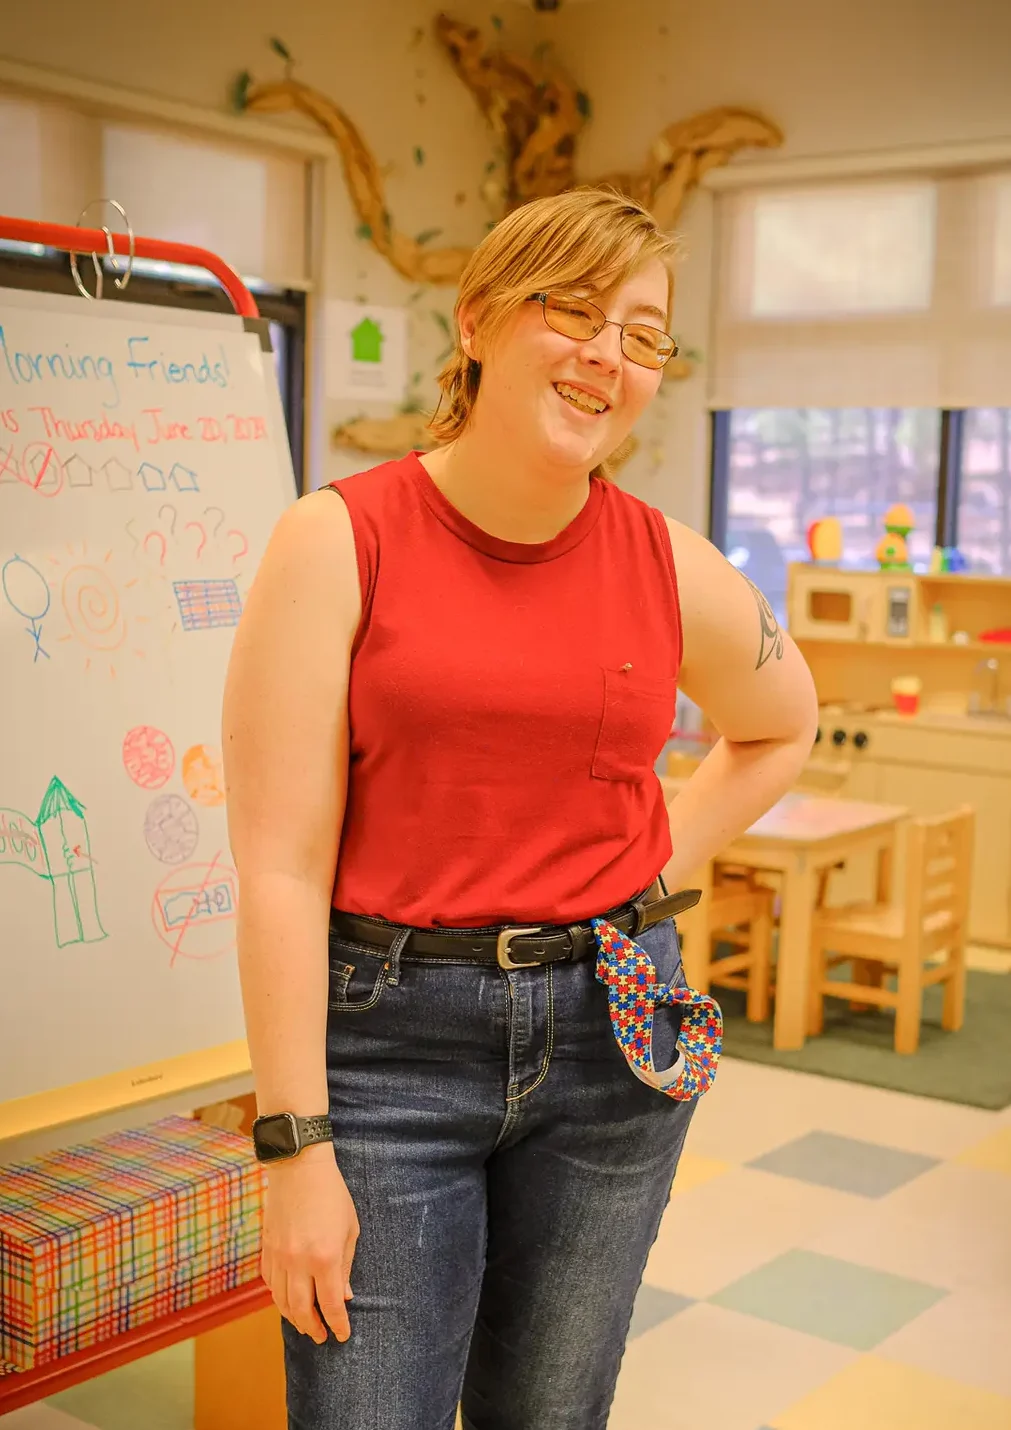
{"x": 63, "y": 830}
{"x": 153, "y": 477}
{"x": 367, "y": 341}
{"x": 119, "y": 479}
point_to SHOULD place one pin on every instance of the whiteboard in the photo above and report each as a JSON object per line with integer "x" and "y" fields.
{"x": 143, "y": 463}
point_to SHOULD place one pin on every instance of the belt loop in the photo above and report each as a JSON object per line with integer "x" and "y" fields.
{"x": 396, "y": 949}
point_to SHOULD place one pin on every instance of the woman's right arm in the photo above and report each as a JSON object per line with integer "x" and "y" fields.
{"x": 285, "y": 749}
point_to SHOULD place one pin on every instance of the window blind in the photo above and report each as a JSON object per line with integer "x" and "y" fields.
{"x": 887, "y": 293}
{"x": 246, "y": 203}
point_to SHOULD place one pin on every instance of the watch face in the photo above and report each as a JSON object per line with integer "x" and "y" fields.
{"x": 274, "y": 1137}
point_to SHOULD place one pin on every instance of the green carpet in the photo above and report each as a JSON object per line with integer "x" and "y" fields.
{"x": 972, "y": 1066}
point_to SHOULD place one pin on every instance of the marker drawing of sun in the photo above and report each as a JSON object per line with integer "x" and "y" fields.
{"x": 98, "y": 607}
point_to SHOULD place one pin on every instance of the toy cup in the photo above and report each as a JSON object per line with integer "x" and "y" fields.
{"x": 906, "y": 694}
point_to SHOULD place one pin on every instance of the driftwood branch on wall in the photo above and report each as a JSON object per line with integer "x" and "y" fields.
{"x": 536, "y": 114}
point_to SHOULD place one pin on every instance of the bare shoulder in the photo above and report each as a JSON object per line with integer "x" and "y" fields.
{"x": 310, "y": 560}
{"x": 739, "y": 664}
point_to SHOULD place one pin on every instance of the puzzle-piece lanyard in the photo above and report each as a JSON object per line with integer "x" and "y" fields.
{"x": 633, "y": 995}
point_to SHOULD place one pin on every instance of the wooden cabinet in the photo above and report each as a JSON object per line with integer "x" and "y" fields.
{"x": 935, "y": 791}
{"x": 932, "y": 767}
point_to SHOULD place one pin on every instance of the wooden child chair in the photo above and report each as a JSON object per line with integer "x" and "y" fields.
{"x": 931, "y": 920}
{"x": 734, "y": 909}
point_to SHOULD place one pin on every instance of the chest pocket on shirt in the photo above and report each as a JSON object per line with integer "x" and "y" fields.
{"x": 636, "y": 721}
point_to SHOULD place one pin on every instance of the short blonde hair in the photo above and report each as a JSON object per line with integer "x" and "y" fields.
{"x": 586, "y": 237}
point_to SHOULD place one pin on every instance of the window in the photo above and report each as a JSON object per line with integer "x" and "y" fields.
{"x": 784, "y": 468}
{"x": 984, "y": 505}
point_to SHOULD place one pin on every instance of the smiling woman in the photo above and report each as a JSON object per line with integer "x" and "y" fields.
{"x": 563, "y": 254}
{"x": 447, "y": 697}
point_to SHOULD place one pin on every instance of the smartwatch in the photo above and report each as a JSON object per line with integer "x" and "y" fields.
{"x": 282, "y": 1135}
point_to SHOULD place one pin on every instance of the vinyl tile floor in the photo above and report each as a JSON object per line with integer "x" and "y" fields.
{"x": 834, "y": 1255}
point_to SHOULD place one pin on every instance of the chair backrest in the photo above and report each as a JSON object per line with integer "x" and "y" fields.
{"x": 939, "y": 875}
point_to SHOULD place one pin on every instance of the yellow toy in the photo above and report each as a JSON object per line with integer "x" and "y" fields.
{"x": 891, "y": 552}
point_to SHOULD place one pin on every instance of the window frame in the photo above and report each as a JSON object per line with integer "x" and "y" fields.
{"x": 948, "y": 490}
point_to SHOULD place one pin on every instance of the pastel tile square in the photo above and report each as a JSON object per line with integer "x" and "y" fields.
{"x": 654, "y": 1305}
{"x": 749, "y": 1110}
{"x": 950, "y": 1227}
{"x": 968, "y": 1333}
{"x": 695, "y": 1171}
{"x": 156, "y": 1393}
{"x": 738, "y": 1221}
{"x": 837, "y": 1300}
{"x": 43, "y": 1416}
{"x": 716, "y": 1369}
{"x": 993, "y": 1154}
{"x": 876, "y": 1394}
{"x": 846, "y": 1163}
{"x": 896, "y": 1119}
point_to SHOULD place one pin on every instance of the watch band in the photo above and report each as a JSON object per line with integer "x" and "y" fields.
{"x": 314, "y": 1129}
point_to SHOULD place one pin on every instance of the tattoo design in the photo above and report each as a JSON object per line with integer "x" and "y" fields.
{"x": 772, "y": 636}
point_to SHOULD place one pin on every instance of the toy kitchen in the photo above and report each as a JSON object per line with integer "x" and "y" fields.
{"x": 913, "y": 673}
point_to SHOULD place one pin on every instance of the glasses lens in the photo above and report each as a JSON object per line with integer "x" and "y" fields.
{"x": 649, "y": 347}
{"x": 575, "y": 317}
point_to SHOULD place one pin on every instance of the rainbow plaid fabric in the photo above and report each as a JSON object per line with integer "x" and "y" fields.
{"x": 102, "y": 1237}
{"x": 633, "y": 994}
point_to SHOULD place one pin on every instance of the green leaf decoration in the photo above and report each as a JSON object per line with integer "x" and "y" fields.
{"x": 491, "y": 166}
{"x": 280, "y": 48}
{"x": 442, "y": 322}
{"x": 583, "y": 104}
{"x": 364, "y": 230}
{"x": 416, "y": 379}
{"x": 419, "y": 155}
{"x": 239, "y": 95}
{"x": 497, "y": 21}
{"x": 427, "y": 235}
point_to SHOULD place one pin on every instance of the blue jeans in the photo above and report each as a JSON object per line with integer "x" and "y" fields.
{"x": 509, "y": 1172}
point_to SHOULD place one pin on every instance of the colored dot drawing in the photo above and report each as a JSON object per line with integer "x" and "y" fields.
{"x": 203, "y": 776}
{"x": 148, "y": 756}
{"x": 171, "y": 830}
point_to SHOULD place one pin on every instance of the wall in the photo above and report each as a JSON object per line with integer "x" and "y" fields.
{"x": 837, "y": 78}
{"x": 379, "y": 61}
{"x": 868, "y": 75}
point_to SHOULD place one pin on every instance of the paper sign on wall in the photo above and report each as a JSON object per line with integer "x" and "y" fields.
{"x": 366, "y": 352}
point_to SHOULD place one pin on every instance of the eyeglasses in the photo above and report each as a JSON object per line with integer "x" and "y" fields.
{"x": 580, "y": 319}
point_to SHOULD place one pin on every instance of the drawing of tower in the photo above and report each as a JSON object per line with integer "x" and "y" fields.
{"x": 64, "y": 833}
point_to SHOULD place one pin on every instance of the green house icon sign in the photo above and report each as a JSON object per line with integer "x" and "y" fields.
{"x": 367, "y": 341}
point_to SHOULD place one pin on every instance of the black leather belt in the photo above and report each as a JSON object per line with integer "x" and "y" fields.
{"x": 524, "y": 946}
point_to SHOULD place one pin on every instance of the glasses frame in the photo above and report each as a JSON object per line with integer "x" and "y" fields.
{"x": 606, "y": 322}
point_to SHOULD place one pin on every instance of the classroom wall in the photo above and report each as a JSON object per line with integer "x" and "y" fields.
{"x": 837, "y": 78}
{"x": 868, "y": 75}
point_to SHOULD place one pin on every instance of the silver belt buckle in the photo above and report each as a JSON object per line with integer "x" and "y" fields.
{"x": 505, "y": 939}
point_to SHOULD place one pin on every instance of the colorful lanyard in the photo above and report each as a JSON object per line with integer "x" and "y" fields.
{"x": 633, "y": 994}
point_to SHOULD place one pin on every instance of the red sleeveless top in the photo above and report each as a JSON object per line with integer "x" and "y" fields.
{"x": 507, "y": 705}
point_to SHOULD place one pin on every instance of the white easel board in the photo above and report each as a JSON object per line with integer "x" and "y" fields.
{"x": 143, "y": 463}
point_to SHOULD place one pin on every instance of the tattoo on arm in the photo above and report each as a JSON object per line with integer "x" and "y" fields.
{"x": 772, "y": 636}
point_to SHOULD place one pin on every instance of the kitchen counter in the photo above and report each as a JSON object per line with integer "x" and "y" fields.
{"x": 999, "y": 726}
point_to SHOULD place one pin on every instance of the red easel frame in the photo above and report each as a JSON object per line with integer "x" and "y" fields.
{"x": 23, "y": 1387}
{"x": 94, "y": 240}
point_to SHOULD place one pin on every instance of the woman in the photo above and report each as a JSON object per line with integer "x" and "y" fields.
{"x": 452, "y": 680}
